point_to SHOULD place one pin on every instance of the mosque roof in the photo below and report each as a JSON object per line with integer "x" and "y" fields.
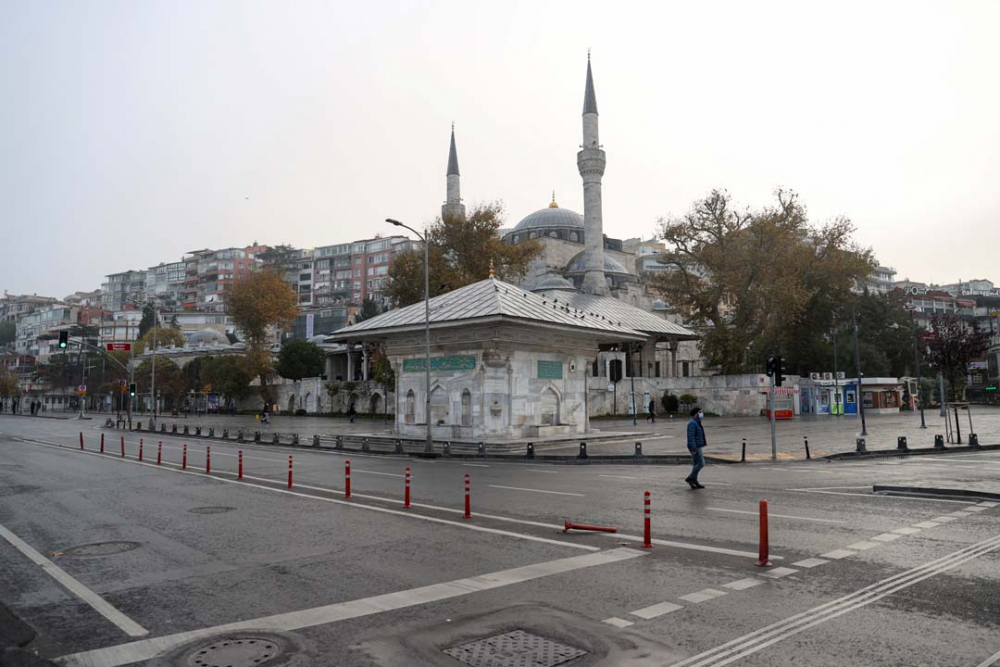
{"x": 490, "y": 299}
{"x": 553, "y": 281}
{"x": 551, "y": 216}
{"x": 579, "y": 264}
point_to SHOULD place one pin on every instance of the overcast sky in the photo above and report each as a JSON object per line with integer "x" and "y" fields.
{"x": 132, "y": 132}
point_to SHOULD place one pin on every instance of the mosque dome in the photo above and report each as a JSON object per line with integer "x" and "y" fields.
{"x": 551, "y": 217}
{"x": 611, "y": 265}
{"x": 207, "y": 337}
{"x": 552, "y": 282}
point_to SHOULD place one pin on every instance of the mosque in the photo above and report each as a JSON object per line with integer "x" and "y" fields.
{"x": 537, "y": 358}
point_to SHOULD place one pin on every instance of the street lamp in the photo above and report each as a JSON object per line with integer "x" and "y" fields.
{"x": 916, "y": 361}
{"x": 857, "y": 358}
{"x": 429, "y": 445}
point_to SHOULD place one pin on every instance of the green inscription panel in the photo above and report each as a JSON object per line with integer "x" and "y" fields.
{"x": 462, "y": 363}
{"x": 550, "y": 370}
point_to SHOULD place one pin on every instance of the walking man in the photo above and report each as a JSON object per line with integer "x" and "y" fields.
{"x": 651, "y": 417}
{"x": 696, "y": 445}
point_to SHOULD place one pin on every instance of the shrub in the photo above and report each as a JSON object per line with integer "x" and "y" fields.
{"x": 688, "y": 399}
{"x": 670, "y": 402}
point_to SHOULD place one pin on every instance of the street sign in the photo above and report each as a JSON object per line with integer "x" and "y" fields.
{"x": 82, "y": 390}
{"x": 119, "y": 347}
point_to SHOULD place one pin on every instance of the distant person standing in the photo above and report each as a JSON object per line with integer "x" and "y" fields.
{"x": 651, "y": 417}
{"x": 696, "y": 445}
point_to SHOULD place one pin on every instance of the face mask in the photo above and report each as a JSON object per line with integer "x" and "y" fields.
{"x": 701, "y": 415}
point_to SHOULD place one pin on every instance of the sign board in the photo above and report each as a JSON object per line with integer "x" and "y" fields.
{"x": 310, "y": 325}
{"x": 438, "y": 364}
{"x": 82, "y": 390}
{"x": 119, "y": 347}
{"x": 550, "y": 370}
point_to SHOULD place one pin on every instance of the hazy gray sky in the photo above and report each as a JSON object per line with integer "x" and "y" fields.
{"x": 132, "y": 132}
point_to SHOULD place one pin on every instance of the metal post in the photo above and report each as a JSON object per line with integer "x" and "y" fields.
{"x": 429, "y": 446}
{"x": 944, "y": 401}
{"x": 857, "y": 359}
{"x": 836, "y": 383}
{"x": 152, "y": 381}
{"x": 631, "y": 377}
{"x": 916, "y": 360}
{"x": 774, "y": 439}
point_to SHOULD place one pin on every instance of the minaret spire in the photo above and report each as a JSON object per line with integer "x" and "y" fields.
{"x": 453, "y": 206}
{"x": 591, "y": 161}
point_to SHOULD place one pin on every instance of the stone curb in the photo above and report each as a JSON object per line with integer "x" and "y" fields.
{"x": 892, "y": 453}
{"x": 930, "y": 491}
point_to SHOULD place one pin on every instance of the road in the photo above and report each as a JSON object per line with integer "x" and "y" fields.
{"x": 115, "y": 561}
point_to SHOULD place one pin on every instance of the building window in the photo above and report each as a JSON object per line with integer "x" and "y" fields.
{"x": 466, "y": 407}
{"x": 685, "y": 369}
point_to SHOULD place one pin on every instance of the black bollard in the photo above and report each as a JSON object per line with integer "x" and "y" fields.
{"x": 295, "y": 438}
{"x": 806, "y": 441}
{"x": 399, "y": 446}
{"x": 185, "y": 429}
{"x": 197, "y": 430}
{"x": 173, "y": 428}
{"x": 275, "y": 439}
{"x": 364, "y": 445}
{"x": 256, "y": 436}
{"x": 861, "y": 446}
{"x": 211, "y": 431}
{"x": 138, "y": 426}
{"x": 482, "y": 450}
{"x": 225, "y": 434}
{"x": 339, "y": 443}
{"x": 239, "y": 436}
{"x": 743, "y": 456}
{"x": 939, "y": 442}
{"x": 638, "y": 450}
{"x": 974, "y": 440}
{"x": 163, "y": 428}
{"x": 315, "y": 441}
{"x": 531, "y": 451}
{"x": 583, "y": 451}
{"x": 446, "y": 450}
{"x": 901, "y": 444}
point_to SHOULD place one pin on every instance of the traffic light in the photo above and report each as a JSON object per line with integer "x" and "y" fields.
{"x": 131, "y": 389}
{"x": 63, "y": 340}
{"x": 778, "y": 370}
{"x": 771, "y": 361}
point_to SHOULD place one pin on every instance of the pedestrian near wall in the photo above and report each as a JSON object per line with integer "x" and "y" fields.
{"x": 651, "y": 417}
{"x": 696, "y": 446}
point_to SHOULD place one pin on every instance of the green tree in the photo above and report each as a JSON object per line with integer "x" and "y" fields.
{"x": 761, "y": 281}
{"x": 165, "y": 337}
{"x": 952, "y": 346}
{"x": 148, "y": 319}
{"x": 277, "y": 256}
{"x": 885, "y": 338}
{"x": 332, "y": 390}
{"x": 369, "y": 309}
{"x": 169, "y": 380}
{"x": 192, "y": 374}
{"x": 8, "y": 332}
{"x": 228, "y": 375}
{"x": 301, "y": 359}
{"x": 461, "y": 252}
{"x": 260, "y": 304}
{"x": 8, "y": 384}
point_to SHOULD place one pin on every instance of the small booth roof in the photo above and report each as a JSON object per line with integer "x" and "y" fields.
{"x": 493, "y": 299}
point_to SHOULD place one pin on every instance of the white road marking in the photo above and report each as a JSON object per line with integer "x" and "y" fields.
{"x": 693, "y": 547}
{"x": 887, "y": 537}
{"x": 476, "y": 465}
{"x": 906, "y": 531}
{"x": 991, "y": 661}
{"x": 977, "y": 508}
{"x": 988, "y": 504}
{"x": 656, "y": 610}
{"x": 780, "y": 516}
{"x": 878, "y": 496}
{"x": 743, "y": 584}
{"x": 778, "y": 572}
{"x": 755, "y": 641}
{"x": 618, "y": 476}
{"x": 811, "y": 562}
{"x": 518, "y": 488}
{"x": 99, "y": 604}
{"x": 373, "y": 472}
{"x": 618, "y": 622}
{"x": 837, "y": 554}
{"x": 702, "y": 596}
{"x": 144, "y": 650}
{"x": 926, "y": 524}
{"x": 862, "y": 546}
{"x": 960, "y": 514}
{"x": 544, "y": 472}
{"x": 944, "y": 519}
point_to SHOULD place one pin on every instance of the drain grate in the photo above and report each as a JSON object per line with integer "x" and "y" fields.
{"x": 235, "y": 652}
{"x": 100, "y": 549}
{"x": 514, "y": 649}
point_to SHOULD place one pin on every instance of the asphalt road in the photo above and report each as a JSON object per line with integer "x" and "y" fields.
{"x": 119, "y": 562}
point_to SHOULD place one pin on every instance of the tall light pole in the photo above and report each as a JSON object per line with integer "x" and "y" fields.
{"x": 429, "y": 445}
{"x": 857, "y": 359}
{"x": 916, "y": 361}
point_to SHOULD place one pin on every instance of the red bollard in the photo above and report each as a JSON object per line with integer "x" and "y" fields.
{"x": 762, "y": 560}
{"x": 159, "y": 453}
{"x": 647, "y": 539}
{"x": 406, "y": 496}
{"x": 123, "y": 446}
{"x": 81, "y": 440}
{"x": 140, "y": 449}
{"x": 347, "y": 479}
{"x": 289, "y": 471}
{"x": 569, "y": 525}
{"x": 239, "y": 475}
{"x": 208, "y": 459}
{"x": 102, "y": 443}
{"x": 184, "y": 459}
{"x": 468, "y": 502}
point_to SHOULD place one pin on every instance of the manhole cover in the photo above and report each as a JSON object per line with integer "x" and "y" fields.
{"x": 100, "y": 549}
{"x": 514, "y": 649}
{"x": 235, "y": 652}
{"x": 211, "y": 510}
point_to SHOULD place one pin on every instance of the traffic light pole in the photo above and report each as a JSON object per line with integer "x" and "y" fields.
{"x": 774, "y": 438}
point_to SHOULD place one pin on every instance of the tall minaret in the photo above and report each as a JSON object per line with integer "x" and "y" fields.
{"x": 453, "y": 206}
{"x": 591, "y": 163}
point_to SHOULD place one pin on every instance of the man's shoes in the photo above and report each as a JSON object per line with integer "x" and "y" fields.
{"x": 699, "y": 485}
{"x": 693, "y": 484}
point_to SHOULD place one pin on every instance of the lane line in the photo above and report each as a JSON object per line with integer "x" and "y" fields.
{"x": 990, "y": 661}
{"x": 373, "y": 472}
{"x": 124, "y": 654}
{"x": 372, "y": 508}
{"x": 811, "y": 562}
{"x": 518, "y": 488}
{"x": 543, "y": 472}
{"x": 743, "y": 584}
{"x": 475, "y": 465}
{"x": 780, "y": 516}
{"x": 906, "y": 531}
{"x": 99, "y": 604}
{"x": 752, "y": 642}
{"x": 862, "y": 546}
{"x": 618, "y": 622}
{"x": 702, "y": 596}
{"x": 837, "y": 554}
{"x": 887, "y": 537}
{"x": 883, "y": 497}
{"x": 656, "y": 610}
{"x": 926, "y": 524}
{"x": 778, "y": 572}
{"x": 618, "y": 476}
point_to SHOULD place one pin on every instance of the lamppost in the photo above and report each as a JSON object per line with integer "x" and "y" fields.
{"x": 429, "y": 445}
{"x": 152, "y": 377}
{"x": 857, "y": 358}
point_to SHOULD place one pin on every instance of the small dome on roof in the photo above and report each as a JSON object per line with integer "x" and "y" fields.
{"x": 208, "y": 337}
{"x": 659, "y": 304}
{"x": 579, "y": 264}
{"x": 553, "y": 281}
{"x": 318, "y": 340}
{"x": 550, "y": 217}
